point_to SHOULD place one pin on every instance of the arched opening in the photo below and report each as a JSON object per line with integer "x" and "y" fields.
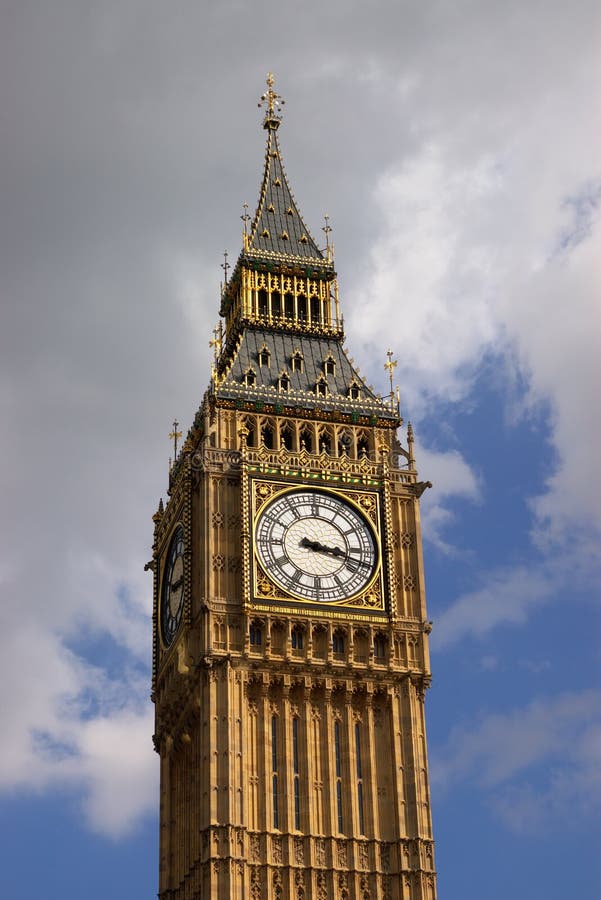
{"x": 345, "y": 442}
{"x": 321, "y": 388}
{"x": 262, "y": 302}
{"x": 251, "y": 434}
{"x": 288, "y": 306}
{"x": 363, "y": 445}
{"x": 380, "y": 648}
{"x": 286, "y": 437}
{"x": 267, "y": 436}
{"x": 297, "y": 638}
{"x": 276, "y": 304}
{"x": 315, "y": 310}
{"x": 325, "y": 443}
{"x": 256, "y": 634}
{"x": 302, "y": 308}
{"x": 329, "y": 366}
{"x": 338, "y": 642}
{"x": 306, "y": 439}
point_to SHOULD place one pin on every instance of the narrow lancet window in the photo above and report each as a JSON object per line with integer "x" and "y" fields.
{"x": 296, "y": 772}
{"x": 274, "y": 770}
{"x": 359, "y": 778}
{"x": 338, "y": 764}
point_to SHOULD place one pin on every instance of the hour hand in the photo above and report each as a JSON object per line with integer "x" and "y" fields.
{"x": 310, "y": 545}
{"x": 321, "y": 548}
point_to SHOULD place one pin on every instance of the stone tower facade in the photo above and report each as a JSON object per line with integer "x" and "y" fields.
{"x": 290, "y": 627}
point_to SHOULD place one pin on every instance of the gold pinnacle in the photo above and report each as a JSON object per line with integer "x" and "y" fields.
{"x": 174, "y": 435}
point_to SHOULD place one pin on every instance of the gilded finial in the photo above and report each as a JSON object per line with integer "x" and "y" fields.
{"x": 327, "y": 228}
{"x": 410, "y": 441}
{"x": 391, "y": 366}
{"x": 225, "y": 266}
{"x": 174, "y": 435}
{"x": 217, "y": 341}
{"x": 271, "y": 102}
{"x": 245, "y": 220}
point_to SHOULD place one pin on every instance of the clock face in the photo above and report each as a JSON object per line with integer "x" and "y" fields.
{"x": 316, "y": 546}
{"x": 172, "y": 594}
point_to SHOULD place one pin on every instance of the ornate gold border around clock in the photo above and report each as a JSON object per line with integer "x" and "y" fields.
{"x": 261, "y": 491}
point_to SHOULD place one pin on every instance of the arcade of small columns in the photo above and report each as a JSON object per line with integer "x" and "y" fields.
{"x": 280, "y": 299}
{"x": 274, "y": 433}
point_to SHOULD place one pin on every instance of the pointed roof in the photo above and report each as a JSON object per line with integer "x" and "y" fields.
{"x": 278, "y": 227}
{"x": 278, "y": 230}
{"x": 278, "y": 235}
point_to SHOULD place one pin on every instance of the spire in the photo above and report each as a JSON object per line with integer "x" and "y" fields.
{"x": 278, "y": 229}
{"x": 270, "y": 101}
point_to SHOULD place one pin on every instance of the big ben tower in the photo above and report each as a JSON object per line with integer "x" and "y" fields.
{"x": 290, "y": 628}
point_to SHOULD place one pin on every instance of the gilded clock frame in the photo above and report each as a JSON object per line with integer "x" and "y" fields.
{"x": 265, "y": 592}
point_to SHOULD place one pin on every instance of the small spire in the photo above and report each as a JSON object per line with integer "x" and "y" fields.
{"x": 391, "y": 366}
{"x": 217, "y": 340}
{"x": 410, "y": 440}
{"x": 175, "y": 434}
{"x": 225, "y": 266}
{"x": 327, "y": 229}
{"x": 271, "y": 102}
{"x": 245, "y": 220}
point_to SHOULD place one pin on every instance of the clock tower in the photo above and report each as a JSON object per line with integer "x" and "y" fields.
{"x": 290, "y": 628}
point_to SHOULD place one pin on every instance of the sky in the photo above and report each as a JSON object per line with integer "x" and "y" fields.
{"x": 456, "y": 147}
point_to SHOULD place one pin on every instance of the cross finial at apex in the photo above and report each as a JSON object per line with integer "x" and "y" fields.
{"x": 175, "y": 434}
{"x": 271, "y": 101}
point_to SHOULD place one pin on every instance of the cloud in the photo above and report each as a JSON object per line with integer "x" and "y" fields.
{"x": 506, "y": 597}
{"x": 74, "y": 723}
{"x": 537, "y": 765}
{"x": 452, "y": 479}
{"x": 117, "y": 769}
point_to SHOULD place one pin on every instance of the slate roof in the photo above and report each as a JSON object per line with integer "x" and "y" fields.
{"x": 301, "y": 393}
{"x": 278, "y": 227}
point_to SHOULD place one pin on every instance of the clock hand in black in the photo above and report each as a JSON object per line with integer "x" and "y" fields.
{"x": 175, "y": 584}
{"x": 355, "y": 563}
{"x": 321, "y": 548}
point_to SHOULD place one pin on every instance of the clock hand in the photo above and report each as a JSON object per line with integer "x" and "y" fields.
{"x": 321, "y": 548}
{"x": 356, "y": 562}
{"x": 175, "y": 584}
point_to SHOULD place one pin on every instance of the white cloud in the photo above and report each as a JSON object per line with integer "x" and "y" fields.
{"x": 506, "y": 597}
{"x": 75, "y": 724}
{"x": 537, "y": 764}
{"x": 118, "y": 770}
{"x": 452, "y": 479}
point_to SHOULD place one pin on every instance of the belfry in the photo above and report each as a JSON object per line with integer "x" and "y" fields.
{"x": 290, "y": 629}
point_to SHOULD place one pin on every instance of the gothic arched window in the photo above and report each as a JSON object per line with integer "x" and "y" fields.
{"x": 296, "y": 638}
{"x": 338, "y": 641}
{"x": 256, "y": 634}
{"x": 380, "y": 646}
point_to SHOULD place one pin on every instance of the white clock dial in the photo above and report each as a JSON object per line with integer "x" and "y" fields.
{"x": 316, "y": 545}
